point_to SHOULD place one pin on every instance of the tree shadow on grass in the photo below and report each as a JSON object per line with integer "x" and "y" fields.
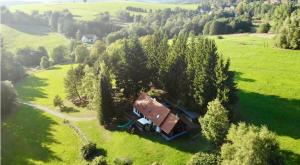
{"x": 238, "y": 77}
{"x": 278, "y": 114}
{"x": 31, "y": 88}
{"x": 31, "y": 29}
{"x": 25, "y": 136}
{"x": 290, "y": 157}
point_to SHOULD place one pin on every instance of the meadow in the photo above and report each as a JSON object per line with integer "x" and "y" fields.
{"x": 268, "y": 79}
{"x": 89, "y": 11}
{"x": 33, "y": 36}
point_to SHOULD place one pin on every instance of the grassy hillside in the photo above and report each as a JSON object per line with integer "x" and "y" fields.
{"x": 33, "y": 137}
{"x": 269, "y": 83}
{"x": 33, "y": 36}
{"x": 88, "y": 11}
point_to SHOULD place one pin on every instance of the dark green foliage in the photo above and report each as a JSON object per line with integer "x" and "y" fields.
{"x": 289, "y": 36}
{"x": 8, "y": 98}
{"x": 202, "y": 158}
{"x": 177, "y": 82}
{"x": 11, "y": 69}
{"x": 58, "y": 102}
{"x": 44, "y": 64}
{"x": 59, "y": 54}
{"x": 81, "y": 53}
{"x": 123, "y": 161}
{"x": 99, "y": 160}
{"x": 88, "y": 151}
{"x": 215, "y": 123}
{"x": 73, "y": 82}
{"x": 102, "y": 100}
{"x": 30, "y": 57}
{"x": 250, "y": 145}
{"x": 264, "y": 28}
{"x": 156, "y": 48}
{"x": 130, "y": 69}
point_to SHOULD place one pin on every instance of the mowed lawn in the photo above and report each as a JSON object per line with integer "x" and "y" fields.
{"x": 89, "y": 11}
{"x": 29, "y": 136}
{"x": 143, "y": 149}
{"x": 269, "y": 86}
{"x": 21, "y": 36}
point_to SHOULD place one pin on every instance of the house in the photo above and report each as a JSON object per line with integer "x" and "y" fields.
{"x": 158, "y": 117}
{"x": 89, "y": 38}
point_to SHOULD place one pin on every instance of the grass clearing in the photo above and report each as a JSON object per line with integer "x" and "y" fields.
{"x": 30, "y": 136}
{"x": 42, "y": 86}
{"x": 33, "y": 36}
{"x": 269, "y": 86}
{"x": 89, "y": 11}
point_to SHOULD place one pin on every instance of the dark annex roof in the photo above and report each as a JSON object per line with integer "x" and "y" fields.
{"x": 156, "y": 112}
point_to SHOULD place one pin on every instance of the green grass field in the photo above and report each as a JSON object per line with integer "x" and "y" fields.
{"x": 269, "y": 91}
{"x": 32, "y": 36}
{"x": 29, "y": 136}
{"x": 88, "y": 11}
{"x": 269, "y": 86}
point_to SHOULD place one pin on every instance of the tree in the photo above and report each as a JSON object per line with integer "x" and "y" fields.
{"x": 215, "y": 122}
{"x": 58, "y": 54}
{"x": 102, "y": 100}
{"x": 58, "y": 102}
{"x": 8, "y": 98}
{"x": 88, "y": 84}
{"x": 202, "y": 158}
{"x": 130, "y": 69}
{"x": 44, "y": 62}
{"x": 81, "y": 53}
{"x": 98, "y": 48}
{"x": 73, "y": 82}
{"x": 250, "y": 145}
{"x": 11, "y": 69}
{"x": 264, "y": 28}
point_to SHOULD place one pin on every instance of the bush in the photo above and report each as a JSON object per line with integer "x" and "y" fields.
{"x": 58, "y": 102}
{"x": 123, "y": 161}
{"x": 220, "y": 37}
{"x": 99, "y": 160}
{"x": 202, "y": 158}
{"x": 215, "y": 122}
{"x": 44, "y": 62}
{"x": 88, "y": 151}
{"x": 264, "y": 28}
{"x": 8, "y": 97}
{"x": 250, "y": 145}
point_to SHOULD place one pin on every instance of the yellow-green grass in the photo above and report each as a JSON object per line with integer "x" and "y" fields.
{"x": 88, "y": 11}
{"x": 29, "y": 136}
{"x": 143, "y": 149}
{"x": 269, "y": 86}
{"x": 40, "y": 87}
{"x": 33, "y": 36}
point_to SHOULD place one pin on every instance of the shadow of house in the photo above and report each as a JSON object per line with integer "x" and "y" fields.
{"x": 25, "y": 137}
{"x": 31, "y": 88}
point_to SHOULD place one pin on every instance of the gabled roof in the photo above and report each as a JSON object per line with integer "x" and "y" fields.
{"x": 156, "y": 112}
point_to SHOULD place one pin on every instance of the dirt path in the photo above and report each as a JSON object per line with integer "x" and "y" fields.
{"x": 58, "y": 114}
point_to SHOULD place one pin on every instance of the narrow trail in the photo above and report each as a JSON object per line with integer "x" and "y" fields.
{"x": 58, "y": 114}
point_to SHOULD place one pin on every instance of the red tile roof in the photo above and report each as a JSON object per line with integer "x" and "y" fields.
{"x": 156, "y": 112}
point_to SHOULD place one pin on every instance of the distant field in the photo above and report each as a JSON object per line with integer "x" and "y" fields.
{"x": 33, "y": 137}
{"x": 269, "y": 83}
{"x": 88, "y": 11}
{"x": 32, "y": 36}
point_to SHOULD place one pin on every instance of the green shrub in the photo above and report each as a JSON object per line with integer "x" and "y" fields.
{"x": 202, "y": 158}
{"x": 58, "y": 102}
{"x": 99, "y": 160}
{"x": 88, "y": 151}
{"x": 123, "y": 161}
{"x": 220, "y": 37}
{"x": 264, "y": 28}
{"x": 44, "y": 62}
